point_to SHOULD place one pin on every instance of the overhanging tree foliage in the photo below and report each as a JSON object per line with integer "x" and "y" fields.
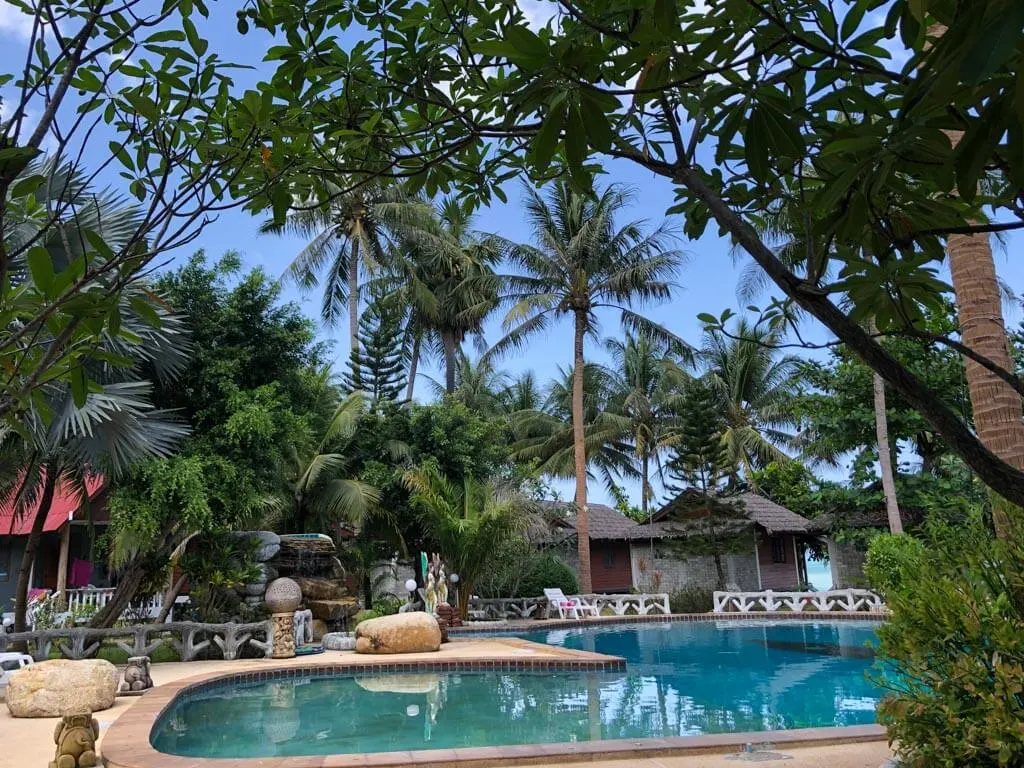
{"x": 734, "y": 103}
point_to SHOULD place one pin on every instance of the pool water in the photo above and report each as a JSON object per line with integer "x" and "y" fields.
{"x": 681, "y": 679}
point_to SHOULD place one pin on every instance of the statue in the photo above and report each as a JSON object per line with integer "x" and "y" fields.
{"x": 442, "y": 585}
{"x": 430, "y": 594}
{"x": 136, "y": 675}
{"x": 75, "y": 737}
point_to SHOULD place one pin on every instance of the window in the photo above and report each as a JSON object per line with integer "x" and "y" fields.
{"x": 778, "y": 549}
{"x": 609, "y": 558}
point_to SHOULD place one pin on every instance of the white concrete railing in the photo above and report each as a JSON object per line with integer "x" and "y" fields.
{"x": 839, "y": 600}
{"x": 497, "y": 608}
{"x": 98, "y": 597}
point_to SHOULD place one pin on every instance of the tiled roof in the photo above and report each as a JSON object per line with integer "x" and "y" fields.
{"x": 603, "y": 521}
{"x": 608, "y": 523}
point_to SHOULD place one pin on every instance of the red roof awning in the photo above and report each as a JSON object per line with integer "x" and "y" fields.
{"x": 66, "y": 506}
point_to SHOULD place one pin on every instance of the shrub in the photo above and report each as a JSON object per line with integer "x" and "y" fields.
{"x": 365, "y": 616}
{"x": 691, "y": 600}
{"x": 953, "y": 653}
{"x": 546, "y": 571}
{"x": 387, "y": 605}
{"x": 889, "y": 560}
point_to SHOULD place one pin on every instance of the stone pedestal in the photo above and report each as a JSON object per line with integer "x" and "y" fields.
{"x": 284, "y": 636}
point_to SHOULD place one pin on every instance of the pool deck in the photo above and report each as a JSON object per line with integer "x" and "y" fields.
{"x": 124, "y": 735}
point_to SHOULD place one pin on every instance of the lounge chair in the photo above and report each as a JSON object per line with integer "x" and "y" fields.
{"x": 574, "y": 607}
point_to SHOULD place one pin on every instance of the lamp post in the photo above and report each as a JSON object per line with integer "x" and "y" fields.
{"x": 453, "y": 578}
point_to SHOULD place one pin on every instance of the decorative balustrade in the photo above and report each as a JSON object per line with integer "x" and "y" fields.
{"x": 839, "y": 600}
{"x": 188, "y": 638}
{"x": 503, "y": 608}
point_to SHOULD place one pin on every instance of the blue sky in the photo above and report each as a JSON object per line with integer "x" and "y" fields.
{"x": 707, "y": 284}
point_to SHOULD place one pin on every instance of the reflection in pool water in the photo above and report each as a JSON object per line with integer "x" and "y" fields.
{"x": 682, "y": 679}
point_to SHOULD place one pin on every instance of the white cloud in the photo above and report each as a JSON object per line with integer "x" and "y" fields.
{"x": 14, "y": 21}
{"x": 537, "y": 12}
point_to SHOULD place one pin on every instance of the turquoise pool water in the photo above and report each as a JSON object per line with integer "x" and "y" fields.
{"x": 681, "y": 679}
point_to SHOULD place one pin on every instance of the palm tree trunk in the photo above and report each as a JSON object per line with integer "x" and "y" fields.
{"x": 448, "y": 341}
{"x": 995, "y": 404}
{"x": 579, "y": 451}
{"x": 353, "y": 297}
{"x": 645, "y": 482}
{"x": 414, "y": 362}
{"x": 29, "y": 555}
{"x": 892, "y": 508}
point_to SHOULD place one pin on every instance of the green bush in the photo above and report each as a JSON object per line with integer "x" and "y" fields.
{"x": 889, "y": 560}
{"x": 387, "y": 605}
{"x": 365, "y": 616}
{"x": 545, "y": 571}
{"x": 953, "y": 653}
{"x": 691, "y": 600}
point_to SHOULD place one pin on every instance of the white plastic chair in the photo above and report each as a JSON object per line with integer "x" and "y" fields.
{"x": 568, "y": 607}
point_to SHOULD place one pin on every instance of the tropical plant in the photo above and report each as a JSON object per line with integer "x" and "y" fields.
{"x": 583, "y": 262}
{"x": 479, "y": 385}
{"x": 468, "y": 522}
{"x": 319, "y": 492}
{"x": 377, "y": 366}
{"x": 544, "y": 438}
{"x": 447, "y": 278}
{"x": 349, "y": 235}
{"x": 648, "y": 374}
{"x": 754, "y": 387}
{"x": 669, "y": 89}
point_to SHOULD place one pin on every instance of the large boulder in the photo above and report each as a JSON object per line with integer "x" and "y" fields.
{"x": 402, "y": 633}
{"x": 317, "y": 588}
{"x": 53, "y": 688}
{"x": 266, "y": 544}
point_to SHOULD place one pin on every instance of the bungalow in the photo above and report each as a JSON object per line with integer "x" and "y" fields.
{"x": 626, "y": 555}
{"x": 62, "y": 559}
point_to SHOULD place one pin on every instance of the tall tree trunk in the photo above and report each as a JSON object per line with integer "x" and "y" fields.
{"x": 645, "y": 482}
{"x": 892, "y": 508}
{"x": 169, "y": 597}
{"x": 353, "y": 298}
{"x": 719, "y": 571}
{"x": 995, "y": 404}
{"x": 448, "y": 341}
{"x": 414, "y": 362}
{"x": 580, "y": 454}
{"x": 29, "y": 555}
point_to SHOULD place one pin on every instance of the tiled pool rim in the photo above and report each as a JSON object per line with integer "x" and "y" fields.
{"x": 126, "y": 744}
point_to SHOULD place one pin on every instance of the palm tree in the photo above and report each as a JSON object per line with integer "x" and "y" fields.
{"x": 995, "y": 404}
{"x": 347, "y": 236}
{"x": 448, "y": 279}
{"x": 521, "y": 394}
{"x": 316, "y": 487}
{"x": 480, "y": 386}
{"x": 68, "y": 434}
{"x": 545, "y": 435}
{"x": 754, "y": 385}
{"x": 583, "y": 262}
{"x": 468, "y": 522}
{"x": 646, "y": 390}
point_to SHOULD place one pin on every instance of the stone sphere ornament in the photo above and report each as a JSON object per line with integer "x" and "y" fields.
{"x": 410, "y": 585}
{"x": 283, "y": 595}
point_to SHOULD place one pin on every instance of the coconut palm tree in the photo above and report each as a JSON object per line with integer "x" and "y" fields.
{"x": 648, "y": 375}
{"x": 347, "y": 236}
{"x": 318, "y": 491}
{"x": 468, "y": 522}
{"x": 546, "y": 436}
{"x": 447, "y": 277}
{"x": 480, "y": 386}
{"x": 754, "y": 385}
{"x": 521, "y": 394}
{"x": 582, "y": 261}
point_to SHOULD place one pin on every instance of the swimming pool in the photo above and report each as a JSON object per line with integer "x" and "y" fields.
{"x": 681, "y": 679}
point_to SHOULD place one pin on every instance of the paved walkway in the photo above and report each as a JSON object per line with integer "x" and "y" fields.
{"x": 28, "y": 743}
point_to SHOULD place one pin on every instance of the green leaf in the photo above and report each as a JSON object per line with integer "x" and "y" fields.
{"x": 13, "y": 160}
{"x": 544, "y": 143}
{"x": 707, "y": 319}
{"x": 40, "y": 266}
{"x": 852, "y": 20}
{"x": 27, "y": 186}
{"x": 755, "y": 146}
{"x": 918, "y": 8}
{"x": 79, "y": 386}
{"x": 599, "y": 129}
{"x": 145, "y": 310}
{"x": 994, "y": 46}
{"x": 575, "y": 139}
{"x": 783, "y": 134}
{"x": 530, "y": 49}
